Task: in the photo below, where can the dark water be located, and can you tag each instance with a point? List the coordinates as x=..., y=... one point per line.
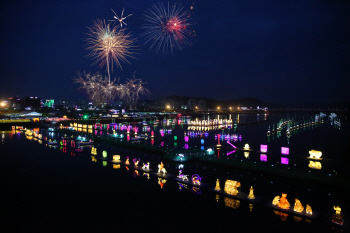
x=47, y=189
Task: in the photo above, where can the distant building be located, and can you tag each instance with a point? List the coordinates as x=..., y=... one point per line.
x=49, y=103
x=201, y=104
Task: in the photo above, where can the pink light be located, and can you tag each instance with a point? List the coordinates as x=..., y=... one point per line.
x=231, y=144
x=186, y=139
x=285, y=150
x=263, y=148
x=218, y=139
x=186, y=146
x=284, y=160
x=263, y=158
x=162, y=144
x=231, y=152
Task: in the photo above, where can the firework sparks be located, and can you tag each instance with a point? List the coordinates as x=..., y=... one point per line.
x=132, y=90
x=108, y=44
x=166, y=28
x=121, y=19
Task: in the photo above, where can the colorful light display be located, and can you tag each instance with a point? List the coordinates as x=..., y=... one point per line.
x=298, y=207
x=116, y=158
x=284, y=160
x=217, y=186
x=182, y=176
x=284, y=150
x=231, y=187
x=263, y=158
x=104, y=154
x=161, y=168
x=263, y=148
x=283, y=203
x=251, y=193
x=314, y=154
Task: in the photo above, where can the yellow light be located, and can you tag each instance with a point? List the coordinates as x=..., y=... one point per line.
x=2, y=104
x=218, y=108
x=168, y=106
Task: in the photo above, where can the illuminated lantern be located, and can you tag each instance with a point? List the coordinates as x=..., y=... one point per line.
x=175, y=138
x=116, y=158
x=186, y=138
x=231, y=187
x=218, y=145
x=217, y=186
x=246, y=147
x=202, y=141
x=337, y=217
x=152, y=133
x=298, y=207
x=104, y=163
x=283, y=203
x=263, y=148
x=127, y=160
x=284, y=150
x=276, y=200
x=263, y=158
x=308, y=209
x=104, y=154
x=161, y=168
x=186, y=146
x=161, y=182
x=314, y=154
x=251, y=193
x=145, y=166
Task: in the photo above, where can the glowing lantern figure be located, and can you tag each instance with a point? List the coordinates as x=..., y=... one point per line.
x=337, y=217
x=283, y=203
x=285, y=150
x=218, y=141
x=314, y=154
x=308, y=209
x=127, y=160
x=231, y=187
x=175, y=138
x=104, y=154
x=298, y=207
x=196, y=179
x=186, y=138
x=263, y=148
x=161, y=168
x=152, y=134
x=251, y=193
x=136, y=161
x=202, y=141
x=217, y=186
x=161, y=182
x=116, y=158
x=246, y=147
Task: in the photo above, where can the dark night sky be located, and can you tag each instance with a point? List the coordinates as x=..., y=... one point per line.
x=281, y=51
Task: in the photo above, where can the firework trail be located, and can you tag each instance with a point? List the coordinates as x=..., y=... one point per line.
x=166, y=28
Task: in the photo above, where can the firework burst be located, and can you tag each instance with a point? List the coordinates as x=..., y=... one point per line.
x=166, y=28
x=109, y=44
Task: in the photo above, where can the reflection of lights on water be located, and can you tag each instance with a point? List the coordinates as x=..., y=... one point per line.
x=263, y=158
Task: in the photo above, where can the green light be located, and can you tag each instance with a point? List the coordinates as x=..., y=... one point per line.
x=175, y=138
x=86, y=116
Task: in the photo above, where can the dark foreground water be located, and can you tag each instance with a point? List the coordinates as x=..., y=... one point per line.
x=50, y=190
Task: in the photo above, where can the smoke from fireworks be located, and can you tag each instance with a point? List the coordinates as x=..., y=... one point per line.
x=166, y=28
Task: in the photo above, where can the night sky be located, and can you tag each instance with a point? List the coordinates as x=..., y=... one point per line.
x=280, y=51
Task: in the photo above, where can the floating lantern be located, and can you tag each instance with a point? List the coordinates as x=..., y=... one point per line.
x=104, y=154
x=116, y=158
x=127, y=160
x=146, y=166
x=161, y=168
x=298, y=207
x=217, y=186
x=136, y=161
x=337, y=217
x=202, y=141
x=196, y=179
x=308, y=209
x=231, y=187
x=283, y=203
x=314, y=154
x=246, y=147
x=104, y=163
x=175, y=138
x=186, y=138
x=251, y=193
x=284, y=150
x=152, y=134
x=263, y=148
